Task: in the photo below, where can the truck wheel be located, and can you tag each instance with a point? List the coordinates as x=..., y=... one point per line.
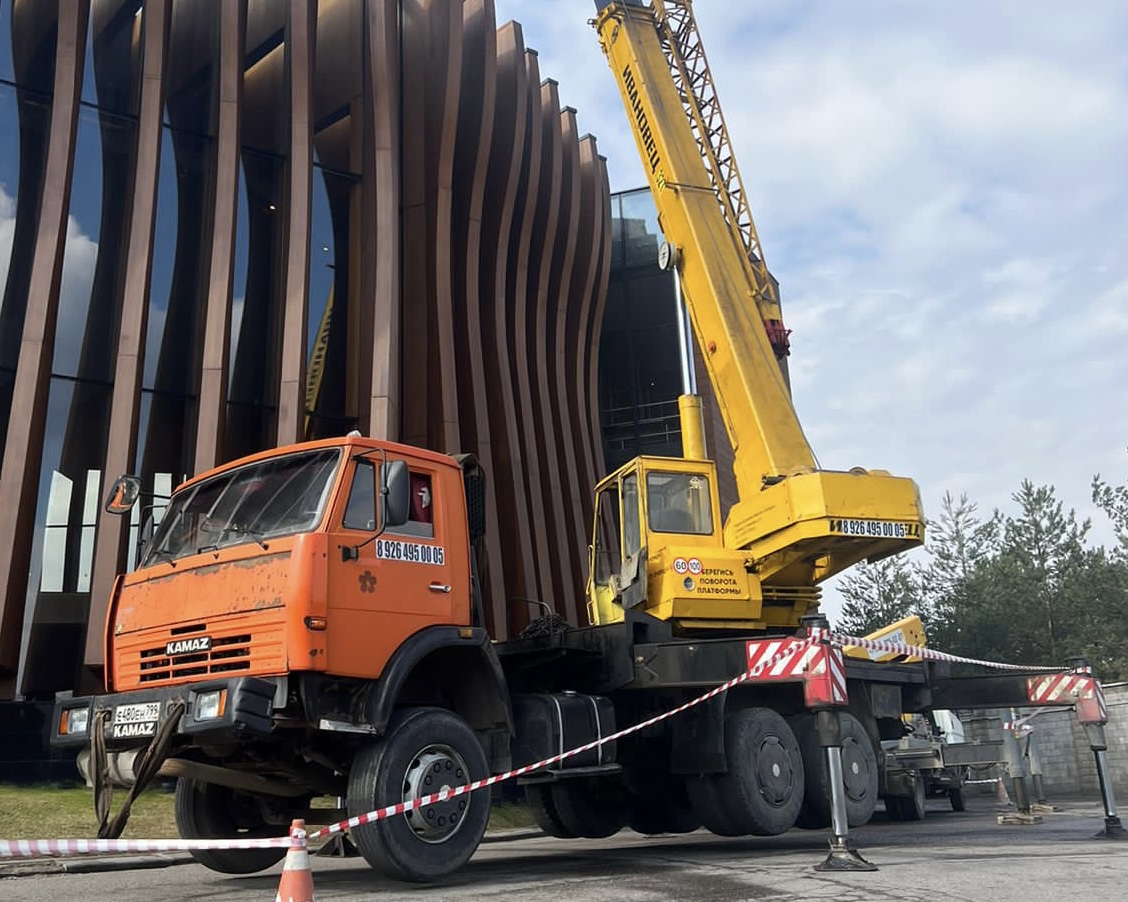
x=762, y=791
x=956, y=798
x=859, y=772
x=424, y=751
x=910, y=808
x=588, y=807
x=538, y=796
x=704, y=798
x=667, y=811
x=209, y=811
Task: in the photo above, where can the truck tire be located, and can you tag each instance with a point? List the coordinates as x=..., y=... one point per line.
x=665, y=811
x=913, y=807
x=704, y=798
x=859, y=772
x=762, y=791
x=538, y=797
x=907, y=808
x=588, y=807
x=423, y=751
x=209, y=811
x=956, y=798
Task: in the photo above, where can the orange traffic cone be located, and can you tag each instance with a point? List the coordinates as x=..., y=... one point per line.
x=296, y=884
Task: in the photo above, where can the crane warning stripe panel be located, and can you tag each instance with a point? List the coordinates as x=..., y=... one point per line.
x=819, y=667
x=1078, y=689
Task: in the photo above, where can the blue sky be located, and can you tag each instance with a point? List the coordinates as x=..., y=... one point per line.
x=942, y=191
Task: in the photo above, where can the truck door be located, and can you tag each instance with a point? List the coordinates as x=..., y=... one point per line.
x=401, y=579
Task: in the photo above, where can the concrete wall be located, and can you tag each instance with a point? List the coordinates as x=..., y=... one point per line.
x=1060, y=743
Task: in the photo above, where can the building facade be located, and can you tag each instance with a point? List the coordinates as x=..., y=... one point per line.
x=227, y=225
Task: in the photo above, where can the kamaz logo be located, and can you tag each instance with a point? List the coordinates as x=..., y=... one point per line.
x=188, y=646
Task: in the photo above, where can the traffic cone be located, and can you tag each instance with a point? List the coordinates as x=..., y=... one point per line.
x=1002, y=797
x=296, y=884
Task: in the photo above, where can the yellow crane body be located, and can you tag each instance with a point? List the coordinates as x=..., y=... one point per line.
x=794, y=524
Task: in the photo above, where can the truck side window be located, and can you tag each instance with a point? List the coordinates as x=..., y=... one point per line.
x=421, y=520
x=361, y=506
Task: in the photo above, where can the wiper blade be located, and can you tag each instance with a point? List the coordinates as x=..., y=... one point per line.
x=242, y=530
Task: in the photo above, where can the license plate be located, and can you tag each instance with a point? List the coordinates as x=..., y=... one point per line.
x=875, y=529
x=143, y=712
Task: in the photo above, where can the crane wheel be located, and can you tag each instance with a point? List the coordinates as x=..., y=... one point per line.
x=589, y=807
x=667, y=811
x=859, y=773
x=705, y=800
x=538, y=798
x=762, y=791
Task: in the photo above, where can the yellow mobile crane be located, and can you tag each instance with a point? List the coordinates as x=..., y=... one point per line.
x=658, y=545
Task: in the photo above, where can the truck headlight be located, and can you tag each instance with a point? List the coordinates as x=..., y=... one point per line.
x=210, y=705
x=74, y=721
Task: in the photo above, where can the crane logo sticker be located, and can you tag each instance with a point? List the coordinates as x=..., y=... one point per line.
x=410, y=552
x=645, y=135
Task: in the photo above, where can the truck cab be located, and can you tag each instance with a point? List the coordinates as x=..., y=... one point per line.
x=304, y=622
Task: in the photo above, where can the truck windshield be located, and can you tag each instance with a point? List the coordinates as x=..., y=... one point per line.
x=271, y=498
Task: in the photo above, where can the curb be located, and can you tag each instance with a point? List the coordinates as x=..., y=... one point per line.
x=510, y=835
x=92, y=865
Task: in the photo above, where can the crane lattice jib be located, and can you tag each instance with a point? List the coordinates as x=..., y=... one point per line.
x=685, y=53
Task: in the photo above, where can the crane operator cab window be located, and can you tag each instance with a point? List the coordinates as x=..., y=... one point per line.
x=679, y=503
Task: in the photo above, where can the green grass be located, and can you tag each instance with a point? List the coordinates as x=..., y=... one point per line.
x=52, y=812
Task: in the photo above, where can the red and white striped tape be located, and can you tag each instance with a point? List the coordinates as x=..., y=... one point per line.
x=40, y=848
x=900, y=648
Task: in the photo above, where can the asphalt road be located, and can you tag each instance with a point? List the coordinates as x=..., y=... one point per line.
x=948, y=856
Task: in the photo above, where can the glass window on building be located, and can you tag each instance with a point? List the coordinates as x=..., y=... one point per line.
x=639, y=361
x=7, y=74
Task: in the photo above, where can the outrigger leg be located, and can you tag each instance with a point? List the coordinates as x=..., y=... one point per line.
x=842, y=856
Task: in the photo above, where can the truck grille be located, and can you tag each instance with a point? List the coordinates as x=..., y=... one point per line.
x=239, y=644
x=226, y=654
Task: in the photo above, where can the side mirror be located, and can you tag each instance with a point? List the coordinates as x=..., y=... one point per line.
x=395, y=493
x=123, y=495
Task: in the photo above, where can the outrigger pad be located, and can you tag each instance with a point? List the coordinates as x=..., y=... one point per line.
x=844, y=858
x=1113, y=830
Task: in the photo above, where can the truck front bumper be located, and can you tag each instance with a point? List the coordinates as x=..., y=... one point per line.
x=219, y=709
